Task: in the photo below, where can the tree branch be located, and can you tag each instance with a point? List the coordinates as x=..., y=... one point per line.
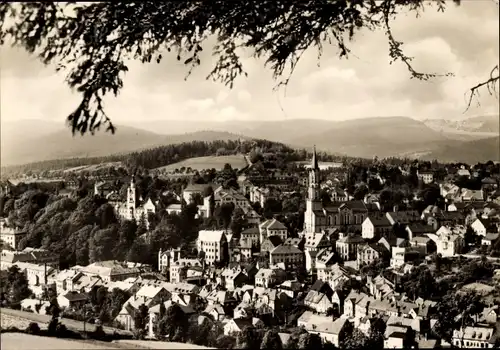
x=490, y=85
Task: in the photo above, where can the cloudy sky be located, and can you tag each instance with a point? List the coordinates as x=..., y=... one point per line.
x=463, y=40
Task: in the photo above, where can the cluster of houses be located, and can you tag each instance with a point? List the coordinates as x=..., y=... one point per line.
x=254, y=278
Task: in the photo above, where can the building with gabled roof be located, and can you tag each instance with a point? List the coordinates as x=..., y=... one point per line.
x=214, y=245
x=317, y=301
x=111, y=270
x=332, y=332
x=272, y=227
x=474, y=337
x=291, y=256
x=375, y=226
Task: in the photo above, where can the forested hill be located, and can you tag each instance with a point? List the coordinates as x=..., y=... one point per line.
x=162, y=156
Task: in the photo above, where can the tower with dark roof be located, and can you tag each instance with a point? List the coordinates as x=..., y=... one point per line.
x=313, y=202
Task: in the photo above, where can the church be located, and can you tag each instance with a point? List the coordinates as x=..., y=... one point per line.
x=133, y=209
x=319, y=218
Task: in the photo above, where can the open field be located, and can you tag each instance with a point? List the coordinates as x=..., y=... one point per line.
x=15, y=341
x=202, y=163
x=159, y=344
x=7, y=321
x=45, y=319
x=93, y=167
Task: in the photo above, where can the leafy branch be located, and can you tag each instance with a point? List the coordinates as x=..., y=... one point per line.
x=93, y=42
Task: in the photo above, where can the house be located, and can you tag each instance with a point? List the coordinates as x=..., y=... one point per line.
x=291, y=256
x=423, y=244
x=11, y=236
x=490, y=239
x=396, y=339
x=110, y=270
x=149, y=295
x=252, y=234
x=347, y=246
x=214, y=245
x=291, y=288
x=380, y=287
x=232, y=278
x=322, y=287
x=402, y=256
x=243, y=310
x=483, y=226
x=269, y=277
x=334, y=275
x=392, y=241
x=317, y=301
x=72, y=300
x=251, y=215
x=447, y=243
x=235, y=326
x=490, y=315
x=154, y=312
x=226, y=196
x=28, y=255
x=463, y=172
x=216, y=311
x=193, y=190
x=126, y=317
x=270, y=228
x=474, y=337
x=426, y=177
x=269, y=244
x=246, y=247
x=369, y=253
x=415, y=229
x=295, y=241
x=36, y=274
x=375, y=226
x=332, y=332
x=314, y=242
x=402, y=217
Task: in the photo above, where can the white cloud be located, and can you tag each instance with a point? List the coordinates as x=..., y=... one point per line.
x=463, y=40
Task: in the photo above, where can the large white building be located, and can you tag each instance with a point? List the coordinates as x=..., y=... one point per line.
x=272, y=227
x=214, y=245
x=10, y=236
x=133, y=209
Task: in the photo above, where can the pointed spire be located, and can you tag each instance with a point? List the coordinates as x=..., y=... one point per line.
x=314, y=162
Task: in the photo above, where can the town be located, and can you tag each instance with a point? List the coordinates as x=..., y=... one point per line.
x=278, y=254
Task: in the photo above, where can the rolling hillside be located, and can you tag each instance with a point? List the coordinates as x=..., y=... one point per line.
x=480, y=126
x=202, y=163
x=382, y=137
x=62, y=144
x=470, y=152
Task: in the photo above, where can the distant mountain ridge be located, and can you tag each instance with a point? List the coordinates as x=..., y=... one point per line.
x=480, y=124
x=470, y=152
x=62, y=144
x=33, y=141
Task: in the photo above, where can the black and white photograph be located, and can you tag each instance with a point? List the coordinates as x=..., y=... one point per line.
x=267, y=174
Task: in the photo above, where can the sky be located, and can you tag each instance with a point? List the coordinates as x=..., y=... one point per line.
x=463, y=40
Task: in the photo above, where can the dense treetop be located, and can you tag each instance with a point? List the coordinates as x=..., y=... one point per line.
x=94, y=42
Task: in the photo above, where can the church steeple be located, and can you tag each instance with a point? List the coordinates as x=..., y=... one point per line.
x=314, y=162
x=313, y=192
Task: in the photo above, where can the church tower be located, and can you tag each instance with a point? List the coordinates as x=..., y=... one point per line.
x=313, y=189
x=313, y=201
x=131, y=199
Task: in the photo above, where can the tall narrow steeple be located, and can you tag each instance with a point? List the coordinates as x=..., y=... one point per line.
x=314, y=178
x=314, y=162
